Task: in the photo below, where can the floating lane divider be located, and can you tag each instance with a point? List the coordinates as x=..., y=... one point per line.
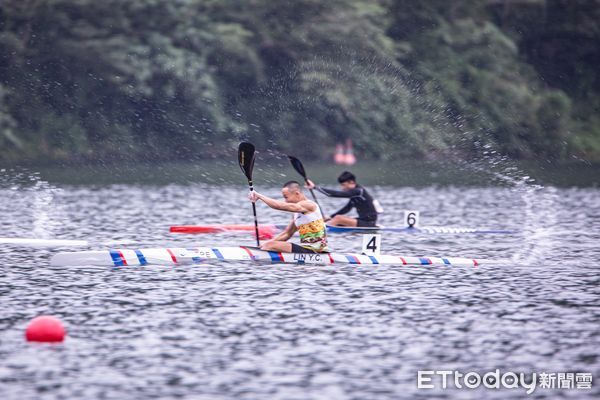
x=182, y=256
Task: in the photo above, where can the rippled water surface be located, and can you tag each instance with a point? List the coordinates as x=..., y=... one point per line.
x=236, y=330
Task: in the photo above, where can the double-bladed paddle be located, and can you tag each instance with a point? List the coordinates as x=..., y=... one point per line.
x=297, y=164
x=246, y=155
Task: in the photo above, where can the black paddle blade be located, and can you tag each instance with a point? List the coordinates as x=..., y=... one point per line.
x=246, y=158
x=297, y=164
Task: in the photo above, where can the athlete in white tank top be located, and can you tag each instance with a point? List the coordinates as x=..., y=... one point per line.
x=307, y=220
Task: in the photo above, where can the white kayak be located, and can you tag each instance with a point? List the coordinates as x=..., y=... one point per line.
x=33, y=242
x=177, y=256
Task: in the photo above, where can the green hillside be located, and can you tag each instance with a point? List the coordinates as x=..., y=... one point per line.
x=185, y=79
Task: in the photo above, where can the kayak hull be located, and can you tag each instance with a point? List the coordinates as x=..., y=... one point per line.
x=217, y=228
x=200, y=255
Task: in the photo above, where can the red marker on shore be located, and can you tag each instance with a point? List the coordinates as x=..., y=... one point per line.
x=349, y=157
x=45, y=329
x=339, y=157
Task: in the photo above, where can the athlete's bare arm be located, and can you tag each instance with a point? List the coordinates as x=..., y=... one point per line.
x=300, y=207
x=287, y=233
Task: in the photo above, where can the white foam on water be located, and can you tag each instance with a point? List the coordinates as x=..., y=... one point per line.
x=36, y=198
x=538, y=221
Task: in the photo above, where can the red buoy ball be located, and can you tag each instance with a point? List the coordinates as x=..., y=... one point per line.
x=45, y=329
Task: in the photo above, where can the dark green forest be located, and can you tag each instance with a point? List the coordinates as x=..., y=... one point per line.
x=149, y=80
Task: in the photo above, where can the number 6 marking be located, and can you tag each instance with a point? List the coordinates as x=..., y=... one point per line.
x=411, y=218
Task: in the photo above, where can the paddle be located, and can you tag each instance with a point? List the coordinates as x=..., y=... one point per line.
x=246, y=155
x=297, y=164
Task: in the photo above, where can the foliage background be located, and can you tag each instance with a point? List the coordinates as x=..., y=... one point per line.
x=187, y=79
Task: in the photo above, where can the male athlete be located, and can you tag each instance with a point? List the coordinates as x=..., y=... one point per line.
x=359, y=199
x=307, y=220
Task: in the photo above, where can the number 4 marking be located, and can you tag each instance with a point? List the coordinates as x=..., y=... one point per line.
x=371, y=244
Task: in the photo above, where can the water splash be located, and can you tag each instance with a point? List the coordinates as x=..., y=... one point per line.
x=538, y=205
x=34, y=196
x=44, y=220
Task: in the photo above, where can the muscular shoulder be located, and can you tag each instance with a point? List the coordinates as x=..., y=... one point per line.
x=308, y=205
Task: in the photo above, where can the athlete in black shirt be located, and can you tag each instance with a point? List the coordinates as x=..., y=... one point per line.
x=359, y=199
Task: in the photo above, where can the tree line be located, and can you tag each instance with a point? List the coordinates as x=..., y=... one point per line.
x=187, y=79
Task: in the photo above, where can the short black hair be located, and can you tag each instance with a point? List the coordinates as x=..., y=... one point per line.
x=292, y=185
x=346, y=176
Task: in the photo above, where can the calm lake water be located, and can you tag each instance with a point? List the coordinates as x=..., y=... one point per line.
x=241, y=331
